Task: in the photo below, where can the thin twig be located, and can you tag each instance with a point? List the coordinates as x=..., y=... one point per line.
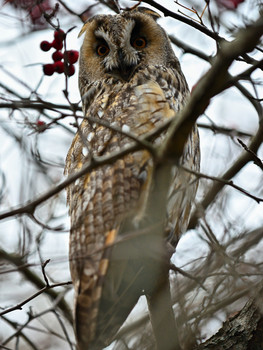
x=225, y=182
x=19, y=306
x=43, y=265
x=188, y=275
x=254, y=157
x=33, y=278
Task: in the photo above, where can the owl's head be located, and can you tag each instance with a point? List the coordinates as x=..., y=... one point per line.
x=119, y=45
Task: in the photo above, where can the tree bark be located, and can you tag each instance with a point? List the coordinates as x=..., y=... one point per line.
x=244, y=331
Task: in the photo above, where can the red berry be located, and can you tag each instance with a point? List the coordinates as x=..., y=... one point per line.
x=72, y=56
x=45, y=45
x=230, y=4
x=59, y=67
x=57, y=56
x=57, y=44
x=48, y=69
x=40, y=126
x=70, y=70
x=59, y=35
x=40, y=123
x=36, y=10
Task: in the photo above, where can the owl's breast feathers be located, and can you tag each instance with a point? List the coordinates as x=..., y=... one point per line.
x=107, y=203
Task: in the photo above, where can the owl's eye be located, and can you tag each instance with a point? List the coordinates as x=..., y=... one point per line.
x=139, y=43
x=102, y=50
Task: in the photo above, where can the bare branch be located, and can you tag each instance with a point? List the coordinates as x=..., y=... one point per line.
x=41, y=291
x=34, y=279
x=254, y=157
x=224, y=182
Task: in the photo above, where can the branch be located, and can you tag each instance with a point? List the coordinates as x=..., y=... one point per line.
x=29, y=104
x=224, y=182
x=243, y=331
x=211, y=84
x=189, y=49
x=162, y=318
x=41, y=291
x=203, y=272
x=34, y=279
x=243, y=159
x=254, y=157
x=15, y=326
x=95, y=162
x=31, y=317
x=184, y=19
x=217, y=129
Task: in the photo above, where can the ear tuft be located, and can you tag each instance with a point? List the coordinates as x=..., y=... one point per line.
x=149, y=12
x=83, y=29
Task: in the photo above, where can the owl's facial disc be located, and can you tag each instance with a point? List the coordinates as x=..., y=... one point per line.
x=120, y=57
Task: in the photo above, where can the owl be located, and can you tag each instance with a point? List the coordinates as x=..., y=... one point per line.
x=131, y=84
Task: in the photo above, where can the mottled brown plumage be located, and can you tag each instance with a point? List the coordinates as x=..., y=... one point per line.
x=129, y=78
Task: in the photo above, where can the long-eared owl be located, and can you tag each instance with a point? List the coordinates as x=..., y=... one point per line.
x=131, y=84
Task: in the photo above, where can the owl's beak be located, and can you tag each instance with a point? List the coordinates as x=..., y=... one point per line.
x=124, y=71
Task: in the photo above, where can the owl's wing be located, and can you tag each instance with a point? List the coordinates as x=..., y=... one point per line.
x=183, y=190
x=109, y=257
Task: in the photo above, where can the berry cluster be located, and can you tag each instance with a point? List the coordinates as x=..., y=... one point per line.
x=59, y=66
x=230, y=4
x=35, y=10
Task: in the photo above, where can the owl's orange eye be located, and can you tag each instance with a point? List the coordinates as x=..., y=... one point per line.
x=139, y=43
x=102, y=50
